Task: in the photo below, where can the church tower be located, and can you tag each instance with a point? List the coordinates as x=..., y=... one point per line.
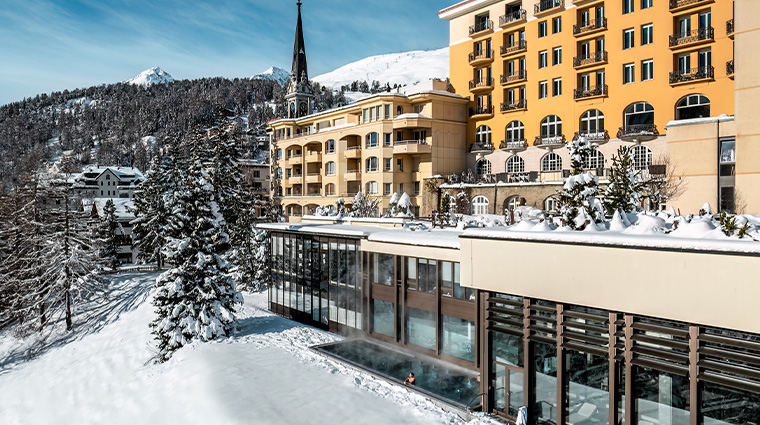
x=300, y=97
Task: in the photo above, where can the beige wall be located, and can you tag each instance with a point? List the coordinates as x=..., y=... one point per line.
x=703, y=288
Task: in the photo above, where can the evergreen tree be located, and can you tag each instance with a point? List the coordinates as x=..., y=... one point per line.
x=195, y=299
x=364, y=206
x=623, y=191
x=251, y=252
x=225, y=140
x=577, y=203
x=107, y=232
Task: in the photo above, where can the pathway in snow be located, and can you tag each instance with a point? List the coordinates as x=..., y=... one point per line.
x=264, y=374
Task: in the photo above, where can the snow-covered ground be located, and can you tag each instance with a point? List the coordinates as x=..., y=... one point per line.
x=264, y=374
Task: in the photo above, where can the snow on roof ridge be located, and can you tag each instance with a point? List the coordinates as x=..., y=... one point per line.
x=703, y=120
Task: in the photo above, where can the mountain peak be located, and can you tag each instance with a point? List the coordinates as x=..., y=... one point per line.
x=274, y=73
x=150, y=77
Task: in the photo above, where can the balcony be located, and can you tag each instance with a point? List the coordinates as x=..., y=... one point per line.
x=353, y=152
x=690, y=38
x=545, y=6
x=314, y=178
x=678, y=5
x=513, y=146
x=730, y=69
x=481, y=85
x=513, y=17
x=351, y=175
x=412, y=121
x=294, y=159
x=411, y=147
x=480, y=58
x=730, y=28
x=638, y=133
x=596, y=58
x=481, y=148
x=589, y=27
x=704, y=73
x=511, y=49
x=481, y=112
x=550, y=143
x=481, y=27
x=520, y=105
x=314, y=157
x=515, y=77
x=597, y=137
x=590, y=92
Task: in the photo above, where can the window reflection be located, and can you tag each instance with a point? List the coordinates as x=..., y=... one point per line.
x=586, y=388
x=458, y=338
x=421, y=328
x=383, y=317
x=545, y=378
x=660, y=398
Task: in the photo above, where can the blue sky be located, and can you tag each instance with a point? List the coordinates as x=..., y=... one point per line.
x=51, y=45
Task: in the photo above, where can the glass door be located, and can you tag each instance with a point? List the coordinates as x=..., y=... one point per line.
x=684, y=64
x=684, y=27
x=584, y=18
x=508, y=389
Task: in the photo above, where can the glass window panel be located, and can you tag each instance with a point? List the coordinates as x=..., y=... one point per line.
x=411, y=273
x=722, y=405
x=383, y=317
x=586, y=388
x=458, y=338
x=516, y=392
x=499, y=384
x=382, y=269
x=545, y=378
x=507, y=348
x=660, y=398
x=446, y=270
x=421, y=328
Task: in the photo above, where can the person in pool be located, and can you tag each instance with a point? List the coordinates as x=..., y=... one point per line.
x=409, y=379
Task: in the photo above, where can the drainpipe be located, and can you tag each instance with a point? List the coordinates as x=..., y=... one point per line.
x=495, y=196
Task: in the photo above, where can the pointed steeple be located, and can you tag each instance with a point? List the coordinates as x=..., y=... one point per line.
x=299, y=95
x=299, y=70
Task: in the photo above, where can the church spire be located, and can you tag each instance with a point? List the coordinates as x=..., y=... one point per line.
x=299, y=70
x=300, y=96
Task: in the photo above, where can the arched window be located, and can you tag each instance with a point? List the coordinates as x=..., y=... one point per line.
x=330, y=189
x=551, y=162
x=371, y=164
x=593, y=161
x=330, y=168
x=642, y=157
x=483, y=167
x=640, y=113
x=372, y=140
x=479, y=205
x=693, y=106
x=551, y=127
x=515, y=132
x=513, y=202
x=551, y=204
x=592, y=124
x=483, y=135
x=371, y=188
x=330, y=146
x=515, y=164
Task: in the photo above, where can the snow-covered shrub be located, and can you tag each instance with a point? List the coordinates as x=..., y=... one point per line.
x=578, y=204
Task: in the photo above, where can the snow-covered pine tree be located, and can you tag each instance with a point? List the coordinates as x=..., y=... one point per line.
x=577, y=200
x=392, y=205
x=251, y=253
x=624, y=189
x=195, y=299
x=108, y=230
x=405, y=206
x=364, y=206
x=226, y=175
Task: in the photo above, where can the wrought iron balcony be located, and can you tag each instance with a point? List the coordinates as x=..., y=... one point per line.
x=483, y=56
x=518, y=75
x=509, y=49
x=481, y=84
x=678, y=4
x=481, y=110
x=589, y=26
x=597, y=136
x=481, y=26
x=592, y=91
x=481, y=147
x=550, y=141
x=730, y=68
x=638, y=133
x=694, y=74
x=592, y=59
x=730, y=27
x=546, y=5
x=693, y=36
x=513, y=145
x=517, y=15
x=514, y=106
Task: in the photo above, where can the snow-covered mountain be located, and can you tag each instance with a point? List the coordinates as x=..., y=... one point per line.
x=396, y=68
x=150, y=77
x=274, y=73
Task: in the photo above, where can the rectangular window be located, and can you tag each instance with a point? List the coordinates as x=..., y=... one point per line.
x=371, y=140
x=542, y=31
x=660, y=397
x=372, y=116
x=383, y=318
x=458, y=338
x=684, y=64
x=556, y=56
x=543, y=89
x=400, y=164
x=556, y=25
x=647, y=70
x=627, y=6
x=421, y=328
x=387, y=165
x=647, y=34
x=416, y=188
x=646, y=4
x=386, y=189
x=387, y=137
x=366, y=115
x=543, y=59
x=628, y=36
x=387, y=112
x=557, y=87
x=628, y=73
x=371, y=164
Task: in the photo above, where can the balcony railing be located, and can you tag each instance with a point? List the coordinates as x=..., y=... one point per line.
x=513, y=106
x=409, y=142
x=513, y=144
x=353, y=148
x=518, y=75
x=597, y=136
x=481, y=26
x=476, y=56
x=514, y=48
x=592, y=91
x=638, y=132
x=596, y=57
x=693, y=36
x=481, y=84
x=589, y=26
x=481, y=147
x=517, y=15
x=545, y=5
x=694, y=74
x=550, y=141
x=481, y=110
x=675, y=4
x=730, y=27
x=730, y=68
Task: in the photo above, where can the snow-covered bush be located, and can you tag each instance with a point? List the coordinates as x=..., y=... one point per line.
x=578, y=204
x=364, y=206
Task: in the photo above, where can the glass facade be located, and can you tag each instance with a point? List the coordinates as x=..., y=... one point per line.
x=458, y=338
x=545, y=382
x=383, y=318
x=659, y=397
x=421, y=328
x=586, y=388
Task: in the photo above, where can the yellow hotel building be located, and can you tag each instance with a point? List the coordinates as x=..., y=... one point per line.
x=657, y=75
